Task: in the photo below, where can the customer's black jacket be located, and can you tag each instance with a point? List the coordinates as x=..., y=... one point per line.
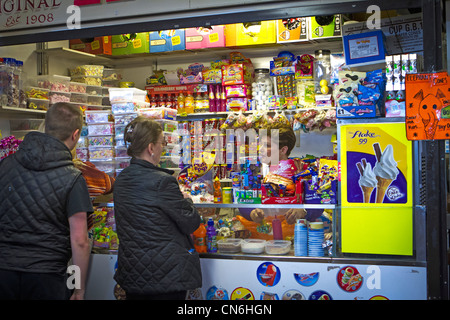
x=154, y=223
x=34, y=186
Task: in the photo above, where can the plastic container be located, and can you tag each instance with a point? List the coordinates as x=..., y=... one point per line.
x=229, y=245
x=111, y=75
x=82, y=153
x=87, y=70
x=37, y=93
x=94, y=100
x=121, y=152
x=262, y=88
x=124, y=118
x=54, y=83
x=158, y=113
x=107, y=166
x=102, y=129
x=253, y=246
x=278, y=247
x=101, y=153
x=322, y=70
x=37, y=104
x=82, y=143
x=26, y=124
x=171, y=137
x=168, y=125
x=94, y=90
x=78, y=97
x=101, y=141
x=98, y=116
x=128, y=106
x=77, y=87
x=89, y=80
x=126, y=94
x=200, y=239
x=211, y=236
x=58, y=96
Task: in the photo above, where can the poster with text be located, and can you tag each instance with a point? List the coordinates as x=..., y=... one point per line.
x=428, y=109
x=376, y=162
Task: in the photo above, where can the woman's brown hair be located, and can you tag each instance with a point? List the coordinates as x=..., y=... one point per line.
x=139, y=133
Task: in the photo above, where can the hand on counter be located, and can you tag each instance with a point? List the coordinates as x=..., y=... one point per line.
x=291, y=216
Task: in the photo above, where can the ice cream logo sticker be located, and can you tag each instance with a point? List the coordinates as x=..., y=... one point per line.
x=349, y=279
x=381, y=177
x=268, y=274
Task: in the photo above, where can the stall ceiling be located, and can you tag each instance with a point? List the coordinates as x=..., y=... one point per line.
x=129, y=16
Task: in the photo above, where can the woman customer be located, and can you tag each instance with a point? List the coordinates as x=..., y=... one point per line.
x=156, y=258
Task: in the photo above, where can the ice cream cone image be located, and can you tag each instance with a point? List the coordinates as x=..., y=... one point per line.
x=368, y=181
x=382, y=186
x=367, y=192
x=385, y=170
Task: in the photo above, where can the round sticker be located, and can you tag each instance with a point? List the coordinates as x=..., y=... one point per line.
x=268, y=296
x=293, y=295
x=349, y=279
x=268, y=274
x=242, y=294
x=320, y=295
x=307, y=279
x=216, y=293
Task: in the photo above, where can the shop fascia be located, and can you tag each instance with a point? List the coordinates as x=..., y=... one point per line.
x=18, y=6
x=235, y=140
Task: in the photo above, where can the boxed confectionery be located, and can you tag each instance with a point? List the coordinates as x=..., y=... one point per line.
x=133, y=43
x=251, y=33
x=205, y=37
x=292, y=30
x=167, y=40
x=100, y=45
x=321, y=27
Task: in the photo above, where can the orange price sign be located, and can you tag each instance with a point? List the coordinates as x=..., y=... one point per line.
x=427, y=106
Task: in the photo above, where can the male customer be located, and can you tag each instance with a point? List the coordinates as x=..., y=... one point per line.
x=44, y=201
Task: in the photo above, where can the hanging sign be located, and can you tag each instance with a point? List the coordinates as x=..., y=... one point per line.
x=428, y=106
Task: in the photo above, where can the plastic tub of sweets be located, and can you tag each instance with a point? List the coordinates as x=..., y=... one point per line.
x=89, y=80
x=278, y=247
x=101, y=153
x=77, y=87
x=59, y=96
x=98, y=116
x=37, y=93
x=87, y=70
x=253, y=245
x=126, y=94
x=103, y=141
x=229, y=245
x=54, y=82
x=78, y=97
x=94, y=100
x=37, y=104
x=168, y=125
x=101, y=129
x=124, y=118
x=128, y=106
x=159, y=113
x=26, y=124
x=169, y=162
x=94, y=90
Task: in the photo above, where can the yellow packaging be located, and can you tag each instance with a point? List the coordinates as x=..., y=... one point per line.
x=227, y=195
x=258, y=33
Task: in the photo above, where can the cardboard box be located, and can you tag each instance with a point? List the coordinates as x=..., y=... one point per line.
x=121, y=45
x=251, y=34
x=100, y=45
x=327, y=196
x=322, y=27
x=199, y=38
x=167, y=40
x=292, y=30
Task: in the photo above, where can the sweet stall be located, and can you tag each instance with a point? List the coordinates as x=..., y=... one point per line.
x=356, y=210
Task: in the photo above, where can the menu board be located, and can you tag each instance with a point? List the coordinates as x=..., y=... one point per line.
x=428, y=106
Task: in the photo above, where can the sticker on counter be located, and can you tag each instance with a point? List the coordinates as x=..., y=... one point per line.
x=217, y=293
x=320, y=295
x=268, y=296
x=306, y=279
x=242, y=294
x=293, y=295
x=378, y=297
x=349, y=279
x=268, y=274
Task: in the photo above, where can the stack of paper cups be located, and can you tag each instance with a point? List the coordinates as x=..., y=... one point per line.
x=301, y=238
x=315, y=239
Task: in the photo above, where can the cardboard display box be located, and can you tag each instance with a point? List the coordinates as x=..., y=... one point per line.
x=199, y=38
x=126, y=44
x=100, y=45
x=322, y=27
x=167, y=40
x=240, y=34
x=292, y=30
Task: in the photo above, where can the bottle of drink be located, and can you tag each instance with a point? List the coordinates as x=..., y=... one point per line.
x=211, y=236
x=212, y=99
x=180, y=102
x=205, y=102
x=276, y=228
x=153, y=101
x=169, y=101
x=223, y=100
x=217, y=191
x=189, y=103
x=162, y=101
x=198, y=103
x=200, y=239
